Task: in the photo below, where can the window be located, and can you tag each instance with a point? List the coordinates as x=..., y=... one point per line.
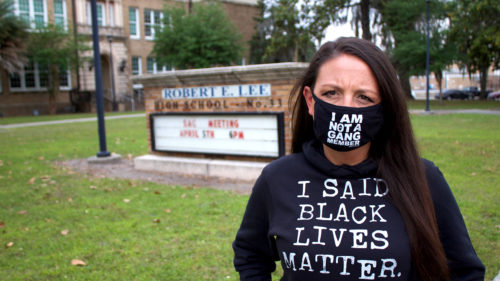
x=101, y=15
x=89, y=13
x=136, y=66
x=168, y=67
x=24, y=10
x=39, y=13
x=29, y=75
x=152, y=23
x=154, y=67
x=34, y=12
x=111, y=14
x=64, y=78
x=60, y=15
x=15, y=81
x=35, y=76
x=133, y=21
x=151, y=65
x=43, y=73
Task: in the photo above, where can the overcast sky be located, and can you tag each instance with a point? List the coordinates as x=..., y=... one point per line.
x=335, y=31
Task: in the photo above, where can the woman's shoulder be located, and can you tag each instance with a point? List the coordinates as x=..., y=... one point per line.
x=285, y=163
x=432, y=172
x=436, y=181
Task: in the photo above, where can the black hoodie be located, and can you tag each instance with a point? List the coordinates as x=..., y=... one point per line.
x=327, y=222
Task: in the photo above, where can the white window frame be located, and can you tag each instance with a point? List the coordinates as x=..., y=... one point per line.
x=68, y=76
x=103, y=13
x=148, y=59
x=31, y=12
x=111, y=14
x=136, y=23
x=37, y=88
x=164, y=68
x=89, y=13
x=139, y=64
x=153, y=25
x=64, y=15
x=157, y=68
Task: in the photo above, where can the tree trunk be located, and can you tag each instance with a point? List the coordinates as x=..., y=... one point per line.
x=365, y=19
x=4, y=77
x=296, y=52
x=52, y=104
x=404, y=79
x=53, y=89
x=189, y=7
x=439, y=79
x=483, y=80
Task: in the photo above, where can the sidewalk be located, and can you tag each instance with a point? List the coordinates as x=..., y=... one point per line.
x=451, y=111
x=89, y=119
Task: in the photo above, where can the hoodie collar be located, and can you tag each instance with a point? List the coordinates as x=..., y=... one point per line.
x=313, y=152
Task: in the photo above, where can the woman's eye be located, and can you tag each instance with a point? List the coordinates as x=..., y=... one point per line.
x=366, y=98
x=329, y=93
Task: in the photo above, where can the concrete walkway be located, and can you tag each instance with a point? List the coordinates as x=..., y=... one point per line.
x=77, y=120
x=452, y=111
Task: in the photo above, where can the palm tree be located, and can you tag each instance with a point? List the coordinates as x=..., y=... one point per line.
x=13, y=35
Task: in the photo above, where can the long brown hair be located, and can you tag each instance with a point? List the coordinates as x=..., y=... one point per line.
x=394, y=148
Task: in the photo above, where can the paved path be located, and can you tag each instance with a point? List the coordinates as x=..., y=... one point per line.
x=124, y=169
x=78, y=120
x=450, y=111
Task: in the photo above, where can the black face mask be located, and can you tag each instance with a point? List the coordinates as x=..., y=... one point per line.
x=346, y=128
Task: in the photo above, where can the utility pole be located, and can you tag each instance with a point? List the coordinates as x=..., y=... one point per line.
x=427, y=58
x=98, y=83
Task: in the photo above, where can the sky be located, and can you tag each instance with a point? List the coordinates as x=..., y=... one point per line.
x=335, y=31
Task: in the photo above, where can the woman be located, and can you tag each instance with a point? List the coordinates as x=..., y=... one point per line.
x=354, y=201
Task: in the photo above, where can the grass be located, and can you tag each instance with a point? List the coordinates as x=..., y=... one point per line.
x=467, y=150
x=41, y=118
x=164, y=232
x=134, y=230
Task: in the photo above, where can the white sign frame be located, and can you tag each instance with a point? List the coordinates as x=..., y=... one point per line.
x=255, y=134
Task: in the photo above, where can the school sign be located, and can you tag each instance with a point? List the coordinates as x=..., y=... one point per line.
x=225, y=113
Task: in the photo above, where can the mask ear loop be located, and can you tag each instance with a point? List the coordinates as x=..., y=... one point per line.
x=315, y=97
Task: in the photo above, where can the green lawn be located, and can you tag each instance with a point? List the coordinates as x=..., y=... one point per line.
x=467, y=150
x=132, y=230
x=41, y=118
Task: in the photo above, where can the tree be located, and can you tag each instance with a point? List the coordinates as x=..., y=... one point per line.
x=13, y=35
x=442, y=54
x=54, y=49
x=287, y=38
x=474, y=29
x=286, y=33
x=403, y=25
x=259, y=42
x=364, y=14
x=203, y=38
x=399, y=20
